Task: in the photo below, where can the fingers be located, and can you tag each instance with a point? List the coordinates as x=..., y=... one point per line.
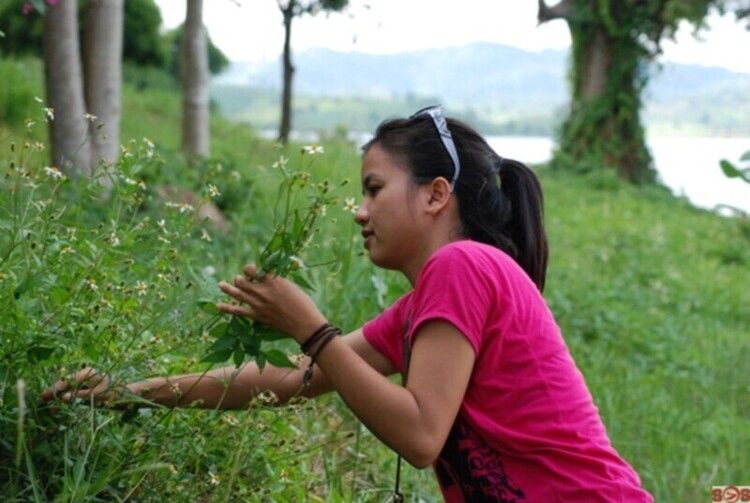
x=240, y=294
x=236, y=310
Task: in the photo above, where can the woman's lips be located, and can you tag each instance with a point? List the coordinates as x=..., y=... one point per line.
x=367, y=235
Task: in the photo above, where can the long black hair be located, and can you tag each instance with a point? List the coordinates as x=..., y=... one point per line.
x=500, y=200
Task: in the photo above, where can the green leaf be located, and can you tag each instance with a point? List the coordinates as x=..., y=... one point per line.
x=268, y=334
x=218, y=357
x=40, y=353
x=729, y=170
x=225, y=342
x=219, y=330
x=299, y=226
x=260, y=359
x=278, y=359
x=239, y=357
x=301, y=281
x=208, y=307
x=745, y=156
x=59, y=295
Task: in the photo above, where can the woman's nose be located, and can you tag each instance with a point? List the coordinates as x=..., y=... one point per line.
x=361, y=215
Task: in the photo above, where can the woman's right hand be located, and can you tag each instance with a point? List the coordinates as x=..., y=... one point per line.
x=86, y=383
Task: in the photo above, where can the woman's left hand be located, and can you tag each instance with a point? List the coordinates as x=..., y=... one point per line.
x=273, y=301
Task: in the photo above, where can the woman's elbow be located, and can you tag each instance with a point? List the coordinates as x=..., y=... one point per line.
x=424, y=455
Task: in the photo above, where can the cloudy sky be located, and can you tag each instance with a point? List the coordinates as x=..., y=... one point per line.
x=251, y=30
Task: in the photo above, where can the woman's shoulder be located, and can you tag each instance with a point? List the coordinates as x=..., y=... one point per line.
x=471, y=250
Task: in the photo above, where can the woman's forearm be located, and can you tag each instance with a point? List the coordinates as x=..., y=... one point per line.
x=228, y=387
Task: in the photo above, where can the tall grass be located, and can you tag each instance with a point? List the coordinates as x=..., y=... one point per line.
x=651, y=295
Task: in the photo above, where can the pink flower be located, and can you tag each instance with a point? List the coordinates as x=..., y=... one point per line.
x=52, y=2
x=27, y=8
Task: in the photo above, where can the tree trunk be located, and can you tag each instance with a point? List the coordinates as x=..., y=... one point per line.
x=64, y=87
x=103, y=75
x=195, y=100
x=603, y=128
x=286, y=96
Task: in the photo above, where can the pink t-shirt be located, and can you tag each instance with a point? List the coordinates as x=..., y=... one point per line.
x=527, y=429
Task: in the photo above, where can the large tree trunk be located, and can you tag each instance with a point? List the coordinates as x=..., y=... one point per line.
x=64, y=87
x=103, y=75
x=288, y=73
x=195, y=100
x=603, y=128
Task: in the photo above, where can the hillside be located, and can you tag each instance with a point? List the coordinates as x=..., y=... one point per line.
x=508, y=89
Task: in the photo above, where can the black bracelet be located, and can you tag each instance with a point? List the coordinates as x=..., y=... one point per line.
x=328, y=336
x=314, y=338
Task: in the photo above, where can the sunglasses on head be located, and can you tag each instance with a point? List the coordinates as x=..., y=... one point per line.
x=436, y=114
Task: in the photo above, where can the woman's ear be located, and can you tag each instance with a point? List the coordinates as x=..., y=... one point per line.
x=437, y=194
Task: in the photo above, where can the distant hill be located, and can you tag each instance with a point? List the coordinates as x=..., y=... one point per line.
x=505, y=88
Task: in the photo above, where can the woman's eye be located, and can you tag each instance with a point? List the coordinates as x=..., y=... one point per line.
x=372, y=189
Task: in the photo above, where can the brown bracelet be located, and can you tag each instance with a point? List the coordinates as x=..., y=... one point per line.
x=314, y=338
x=327, y=336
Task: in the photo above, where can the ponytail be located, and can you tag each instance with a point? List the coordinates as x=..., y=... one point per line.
x=525, y=227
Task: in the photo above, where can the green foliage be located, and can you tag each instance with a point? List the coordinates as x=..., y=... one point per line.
x=142, y=42
x=732, y=171
x=217, y=61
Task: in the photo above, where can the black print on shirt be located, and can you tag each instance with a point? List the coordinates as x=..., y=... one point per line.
x=468, y=462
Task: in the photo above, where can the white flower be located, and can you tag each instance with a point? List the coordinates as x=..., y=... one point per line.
x=148, y=143
x=205, y=235
x=141, y=287
x=67, y=250
x=208, y=271
x=297, y=262
x=90, y=117
x=280, y=163
x=114, y=239
x=213, y=190
x=54, y=172
x=50, y=112
x=313, y=149
x=91, y=283
x=230, y=420
x=349, y=205
x=214, y=479
x=161, y=223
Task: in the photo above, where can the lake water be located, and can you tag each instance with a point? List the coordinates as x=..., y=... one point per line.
x=688, y=166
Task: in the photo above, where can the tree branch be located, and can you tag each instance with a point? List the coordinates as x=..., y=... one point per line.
x=562, y=10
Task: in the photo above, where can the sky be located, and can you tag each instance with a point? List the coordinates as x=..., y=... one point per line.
x=251, y=30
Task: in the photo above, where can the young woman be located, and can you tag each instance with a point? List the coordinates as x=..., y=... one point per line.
x=492, y=400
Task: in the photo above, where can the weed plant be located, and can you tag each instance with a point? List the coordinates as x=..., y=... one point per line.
x=651, y=295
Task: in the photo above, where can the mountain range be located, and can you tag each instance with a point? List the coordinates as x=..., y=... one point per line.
x=494, y=84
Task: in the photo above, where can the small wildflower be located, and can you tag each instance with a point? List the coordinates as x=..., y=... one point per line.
x=208, y=271
x=313, y=149
x=172, y=470
x=267, y=398
x=205, y=235
x=90, y=117
x=38, y=99
x=141, y=287
x=214, y=479
x=54, y=172
x=148, y=143
x=91, y=283
x=29, y=124
x=126, y=151
x=205, y=338
x=164, y=240
x=114, y=240
x=50, y=112
x=66, y=250
x=161, y=223
x=213, y=190
x=297, y=359
x=350, y=206
x=38, y=146
x=281, y=163
x=230, y=420
x=297, y=262
x=235, y=175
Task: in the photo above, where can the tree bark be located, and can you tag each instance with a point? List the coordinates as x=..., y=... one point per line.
x=603, y=129
x=64, y=87
x=195, y=100
x=103, y=76
x=288, y=74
